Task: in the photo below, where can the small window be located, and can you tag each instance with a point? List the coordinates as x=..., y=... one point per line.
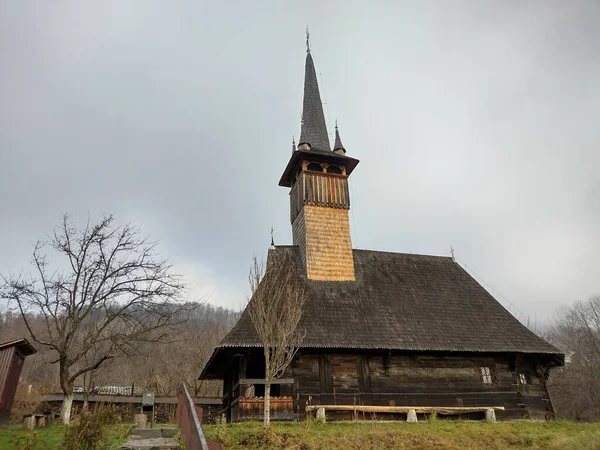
x=487, y=375
x=334, y=169
x=524, y=378
x=314, y=167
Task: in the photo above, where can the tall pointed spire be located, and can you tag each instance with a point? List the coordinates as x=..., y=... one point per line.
x=314, y=130
x=338, y=147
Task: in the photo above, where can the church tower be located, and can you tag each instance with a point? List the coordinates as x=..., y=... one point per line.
x=319, y=196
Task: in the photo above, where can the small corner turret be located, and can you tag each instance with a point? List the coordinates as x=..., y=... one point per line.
x=338, y=147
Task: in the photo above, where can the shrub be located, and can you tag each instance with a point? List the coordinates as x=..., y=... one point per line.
x=29, y=442
x=222, y=430
x=27, y=400
x=91, y=429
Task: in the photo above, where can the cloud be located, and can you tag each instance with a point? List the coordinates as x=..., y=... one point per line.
x=475, y=124
x=203, y=285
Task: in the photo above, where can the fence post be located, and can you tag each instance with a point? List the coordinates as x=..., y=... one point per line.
x=188, y=421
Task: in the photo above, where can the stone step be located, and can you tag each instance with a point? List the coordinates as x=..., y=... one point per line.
x=151, y=444
x=152, y=433
x=168, y=432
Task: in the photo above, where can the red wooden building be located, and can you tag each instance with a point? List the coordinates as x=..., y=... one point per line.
x=12, y=357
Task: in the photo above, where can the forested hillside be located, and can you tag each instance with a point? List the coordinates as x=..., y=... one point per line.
x=158, y=367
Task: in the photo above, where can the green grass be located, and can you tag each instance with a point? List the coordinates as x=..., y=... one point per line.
x=117, y=436
x=15, y=437
x=439, y=434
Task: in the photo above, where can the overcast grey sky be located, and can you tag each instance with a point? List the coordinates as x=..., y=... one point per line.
x=476, y=123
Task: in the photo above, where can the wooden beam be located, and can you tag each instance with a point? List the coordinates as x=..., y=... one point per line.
x=262, y=381
x=129, y=399
x=443, y=410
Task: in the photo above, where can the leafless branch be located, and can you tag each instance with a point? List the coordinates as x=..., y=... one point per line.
x=575, y=388
x=276, y=307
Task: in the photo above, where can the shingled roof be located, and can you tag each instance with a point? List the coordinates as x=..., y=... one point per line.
x=401, y=301
x=314, y=129
x=338, y=141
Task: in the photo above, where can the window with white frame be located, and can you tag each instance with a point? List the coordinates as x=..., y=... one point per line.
x=524, y=378
x=487, y=376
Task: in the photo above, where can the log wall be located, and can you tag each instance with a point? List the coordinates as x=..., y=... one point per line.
x=421, y=380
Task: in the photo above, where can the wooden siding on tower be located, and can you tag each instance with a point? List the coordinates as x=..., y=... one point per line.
x=323, y=237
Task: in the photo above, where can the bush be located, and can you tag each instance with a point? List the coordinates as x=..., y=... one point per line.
x=91, y=429
x=222, y=430
x=28, y=442
x=27, y=401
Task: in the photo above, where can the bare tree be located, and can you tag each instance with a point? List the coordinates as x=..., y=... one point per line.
x=575, y=388
x=277, y=304
x=111, y=292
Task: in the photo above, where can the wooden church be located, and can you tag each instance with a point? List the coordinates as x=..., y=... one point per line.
x=383, y=329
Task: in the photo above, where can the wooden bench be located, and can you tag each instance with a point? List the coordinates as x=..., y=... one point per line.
x=30, y=421
x=411, y=411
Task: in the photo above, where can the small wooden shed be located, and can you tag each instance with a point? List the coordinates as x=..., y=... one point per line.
x=12, y=357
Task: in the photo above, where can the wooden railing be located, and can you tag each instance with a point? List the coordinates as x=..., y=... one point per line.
x=247, y=381
x=321, y=189
x=188, y=421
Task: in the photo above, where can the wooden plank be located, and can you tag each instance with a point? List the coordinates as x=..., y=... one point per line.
x=325, y=375
x=104, y=398
x=365, y=381
x=444, y=410
x=262, y=381
x=323, y=190
x=326, y=379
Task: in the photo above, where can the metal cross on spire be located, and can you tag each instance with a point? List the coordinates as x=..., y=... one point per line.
x=307, y=40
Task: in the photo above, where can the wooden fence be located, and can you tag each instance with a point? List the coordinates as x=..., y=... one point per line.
x=189, y=423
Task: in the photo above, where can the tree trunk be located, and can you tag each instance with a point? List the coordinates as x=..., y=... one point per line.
x=87, y=383
x=65, y=412
x=66, y=384
x=267, y=417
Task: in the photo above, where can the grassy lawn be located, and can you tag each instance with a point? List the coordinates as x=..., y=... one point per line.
x=438, y=434
x=16, y=437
